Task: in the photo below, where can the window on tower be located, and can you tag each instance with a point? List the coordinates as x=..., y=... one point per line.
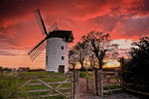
x=62, y=47
x=62, y=57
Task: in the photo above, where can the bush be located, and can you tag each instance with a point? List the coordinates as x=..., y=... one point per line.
x=136, y=70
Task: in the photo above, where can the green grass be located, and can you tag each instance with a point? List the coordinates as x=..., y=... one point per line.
x=111, y=87
x=40, y=74
x=36, y=87
x=88, y=75
x=83, y=74
x=54, y=79
x=56, y=97
x=39, y=93
x=66, y=85
x=11, y=84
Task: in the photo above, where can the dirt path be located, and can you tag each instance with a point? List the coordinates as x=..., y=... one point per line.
x=84, y=93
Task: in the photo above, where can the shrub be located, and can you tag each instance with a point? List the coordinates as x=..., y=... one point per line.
x=136, y=70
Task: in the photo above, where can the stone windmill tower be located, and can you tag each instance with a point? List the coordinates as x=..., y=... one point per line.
x=56, y=47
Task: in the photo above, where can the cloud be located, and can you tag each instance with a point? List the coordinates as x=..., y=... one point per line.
x=121, y=18
x=134, y=26
x=106, y=22
x=73, y=8
x=6, y=53
x=12, y=52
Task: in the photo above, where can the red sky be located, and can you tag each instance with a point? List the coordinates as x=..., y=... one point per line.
x=19, y=31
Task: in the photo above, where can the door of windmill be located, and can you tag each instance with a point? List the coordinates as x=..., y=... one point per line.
x=61, y=68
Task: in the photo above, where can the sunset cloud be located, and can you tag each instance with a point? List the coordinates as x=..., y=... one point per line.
x=123, y=19
x=19, y=28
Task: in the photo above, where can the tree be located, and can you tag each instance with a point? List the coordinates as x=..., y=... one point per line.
x=98, y=43
x=114, y=51
x=78, y=54
x=72, y=58
x=136, y=69
x=1, y=69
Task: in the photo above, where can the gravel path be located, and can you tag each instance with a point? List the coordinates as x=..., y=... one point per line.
x=84, y=94
x=114, y=96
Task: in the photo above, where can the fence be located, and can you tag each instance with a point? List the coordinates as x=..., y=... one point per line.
x=111, y=82
x=108, y=82
x=41, y=88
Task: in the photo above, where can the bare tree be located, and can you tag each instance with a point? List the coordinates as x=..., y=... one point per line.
x=114, y=51
x=72, y=58
x=97, y=43
x=78, y=53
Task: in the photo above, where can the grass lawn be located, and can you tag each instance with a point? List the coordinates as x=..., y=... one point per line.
x=111, y=87
x=89, y=75
x=14, y=83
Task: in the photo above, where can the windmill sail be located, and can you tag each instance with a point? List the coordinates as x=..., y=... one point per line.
x=41, y=22
x=36, y=53
x=37, y=49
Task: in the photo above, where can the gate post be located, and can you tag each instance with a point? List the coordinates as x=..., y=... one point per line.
x=121, y=71
x=76, y=85
x=100, y=76
x=98, y=82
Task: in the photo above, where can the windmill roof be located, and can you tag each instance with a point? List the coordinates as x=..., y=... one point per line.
x=65, y=34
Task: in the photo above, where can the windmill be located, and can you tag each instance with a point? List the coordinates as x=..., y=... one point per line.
x=56, y=47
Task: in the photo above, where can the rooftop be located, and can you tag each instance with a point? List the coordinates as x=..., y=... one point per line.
x=65, y=34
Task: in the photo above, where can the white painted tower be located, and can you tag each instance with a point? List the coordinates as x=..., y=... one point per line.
x=57, y=51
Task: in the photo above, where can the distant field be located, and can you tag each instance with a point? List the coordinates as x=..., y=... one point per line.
x=12, y=83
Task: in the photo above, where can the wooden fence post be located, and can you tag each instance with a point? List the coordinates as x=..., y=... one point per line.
x=75, y=82
x=98, y=82
x=121, y=71
x=87, y=81
x=100, y=76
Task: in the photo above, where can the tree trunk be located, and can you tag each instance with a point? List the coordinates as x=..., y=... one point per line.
x=100, y=64
x=82, y=65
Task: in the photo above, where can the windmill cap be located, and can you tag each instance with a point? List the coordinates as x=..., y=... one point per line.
x=65, y=34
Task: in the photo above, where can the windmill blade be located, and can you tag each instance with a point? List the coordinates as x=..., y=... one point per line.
x=35, y=54
x=41, y=22
x=29, y=53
